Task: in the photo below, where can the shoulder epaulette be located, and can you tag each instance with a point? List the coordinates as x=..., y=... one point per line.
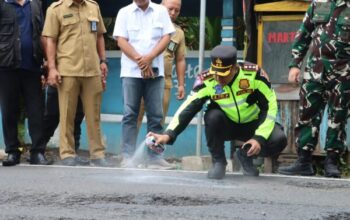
x=246, y=66
x=55, y=4
x=92, y=1
x=200, y=78
x=206, y=75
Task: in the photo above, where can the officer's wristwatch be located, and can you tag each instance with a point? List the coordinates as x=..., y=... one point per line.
x=104, y=61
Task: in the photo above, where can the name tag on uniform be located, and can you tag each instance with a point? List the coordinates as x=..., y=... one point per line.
x=244, y=91
x=68, y=16
x=221, y=96
x=93, y=26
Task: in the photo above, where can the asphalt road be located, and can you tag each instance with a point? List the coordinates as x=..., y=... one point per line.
x=60, y=193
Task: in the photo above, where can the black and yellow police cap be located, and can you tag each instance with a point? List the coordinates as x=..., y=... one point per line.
x=222, y=59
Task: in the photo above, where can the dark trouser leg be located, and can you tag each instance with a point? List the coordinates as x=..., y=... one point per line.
x=34, y=105
x=275, y=143
x=10, y=93
x=79, y=116
x=215, y=121
x=51, y=115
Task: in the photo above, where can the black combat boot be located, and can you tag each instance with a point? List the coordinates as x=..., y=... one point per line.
x=302, y=166
x=217, y=171
x=331, y=165
x=247, y=163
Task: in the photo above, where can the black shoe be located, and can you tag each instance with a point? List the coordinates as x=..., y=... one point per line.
x=247, y=163
x=302, y=166
x=38, y=158
x=297, y=168
x=331, y=165
x=99, y=163
x=12, y=159
x=217, y=171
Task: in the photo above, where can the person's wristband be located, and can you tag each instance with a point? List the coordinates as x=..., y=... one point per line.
x=104, y=61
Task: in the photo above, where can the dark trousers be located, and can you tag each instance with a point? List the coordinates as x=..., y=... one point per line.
x=13, y=85
x=52, y=116
x=219, y=128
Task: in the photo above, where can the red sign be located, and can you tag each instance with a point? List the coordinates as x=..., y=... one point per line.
x=280, y=37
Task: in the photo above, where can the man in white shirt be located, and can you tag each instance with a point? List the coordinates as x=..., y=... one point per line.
x=142, y=30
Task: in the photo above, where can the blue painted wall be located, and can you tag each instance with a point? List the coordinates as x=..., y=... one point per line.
x=112, y=111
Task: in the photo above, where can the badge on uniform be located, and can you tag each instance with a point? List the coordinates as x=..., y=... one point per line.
x=172, y=46
x=219, y=89
x=93, y=26
x=244, y=84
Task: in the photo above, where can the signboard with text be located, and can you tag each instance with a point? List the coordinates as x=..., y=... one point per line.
x=276, y=35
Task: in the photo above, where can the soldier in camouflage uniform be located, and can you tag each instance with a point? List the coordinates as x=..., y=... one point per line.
x=326, y=28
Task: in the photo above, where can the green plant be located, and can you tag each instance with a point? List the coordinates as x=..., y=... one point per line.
x=109, y=41
x=191, y=26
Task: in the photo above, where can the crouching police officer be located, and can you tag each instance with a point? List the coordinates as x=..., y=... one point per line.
x=242, y=107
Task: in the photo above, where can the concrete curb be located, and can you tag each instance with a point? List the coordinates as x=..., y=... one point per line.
x=2, y=154
x=200, y=163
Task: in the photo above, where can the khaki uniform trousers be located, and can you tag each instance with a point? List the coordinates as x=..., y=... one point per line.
x=90, y=91
x=166, y=102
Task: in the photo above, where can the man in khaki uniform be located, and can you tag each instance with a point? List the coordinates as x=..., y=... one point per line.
x=77, y=66
x=176, y=50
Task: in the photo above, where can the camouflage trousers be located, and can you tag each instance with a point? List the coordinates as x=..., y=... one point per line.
x=314, y=96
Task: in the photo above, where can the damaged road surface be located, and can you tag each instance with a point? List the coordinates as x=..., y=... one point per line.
x=72, y=193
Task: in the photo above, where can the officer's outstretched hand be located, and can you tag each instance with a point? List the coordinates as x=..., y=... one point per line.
x=160, y=138
x=254, y=149
x=294, y=75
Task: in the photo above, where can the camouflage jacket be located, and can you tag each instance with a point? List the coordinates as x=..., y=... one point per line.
x=325, y=32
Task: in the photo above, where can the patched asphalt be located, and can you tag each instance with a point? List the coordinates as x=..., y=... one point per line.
x=58, y=192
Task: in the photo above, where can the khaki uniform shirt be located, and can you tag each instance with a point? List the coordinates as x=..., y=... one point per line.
x=75, y=26
x=175, y=49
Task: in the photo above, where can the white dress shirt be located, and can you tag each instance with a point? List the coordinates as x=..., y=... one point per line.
x=143, y=29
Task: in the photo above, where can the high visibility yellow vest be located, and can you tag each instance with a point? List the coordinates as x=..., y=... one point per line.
x=242, y=100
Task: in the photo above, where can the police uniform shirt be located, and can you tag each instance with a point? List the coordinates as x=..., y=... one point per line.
x=176, y=48
x=75, y=26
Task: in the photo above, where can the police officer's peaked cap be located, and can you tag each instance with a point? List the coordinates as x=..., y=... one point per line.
x=222, y=59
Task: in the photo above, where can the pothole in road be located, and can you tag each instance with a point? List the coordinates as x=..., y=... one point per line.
x=337, y=216
x=318, y=185
x=69, y=200
x=160, y=200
